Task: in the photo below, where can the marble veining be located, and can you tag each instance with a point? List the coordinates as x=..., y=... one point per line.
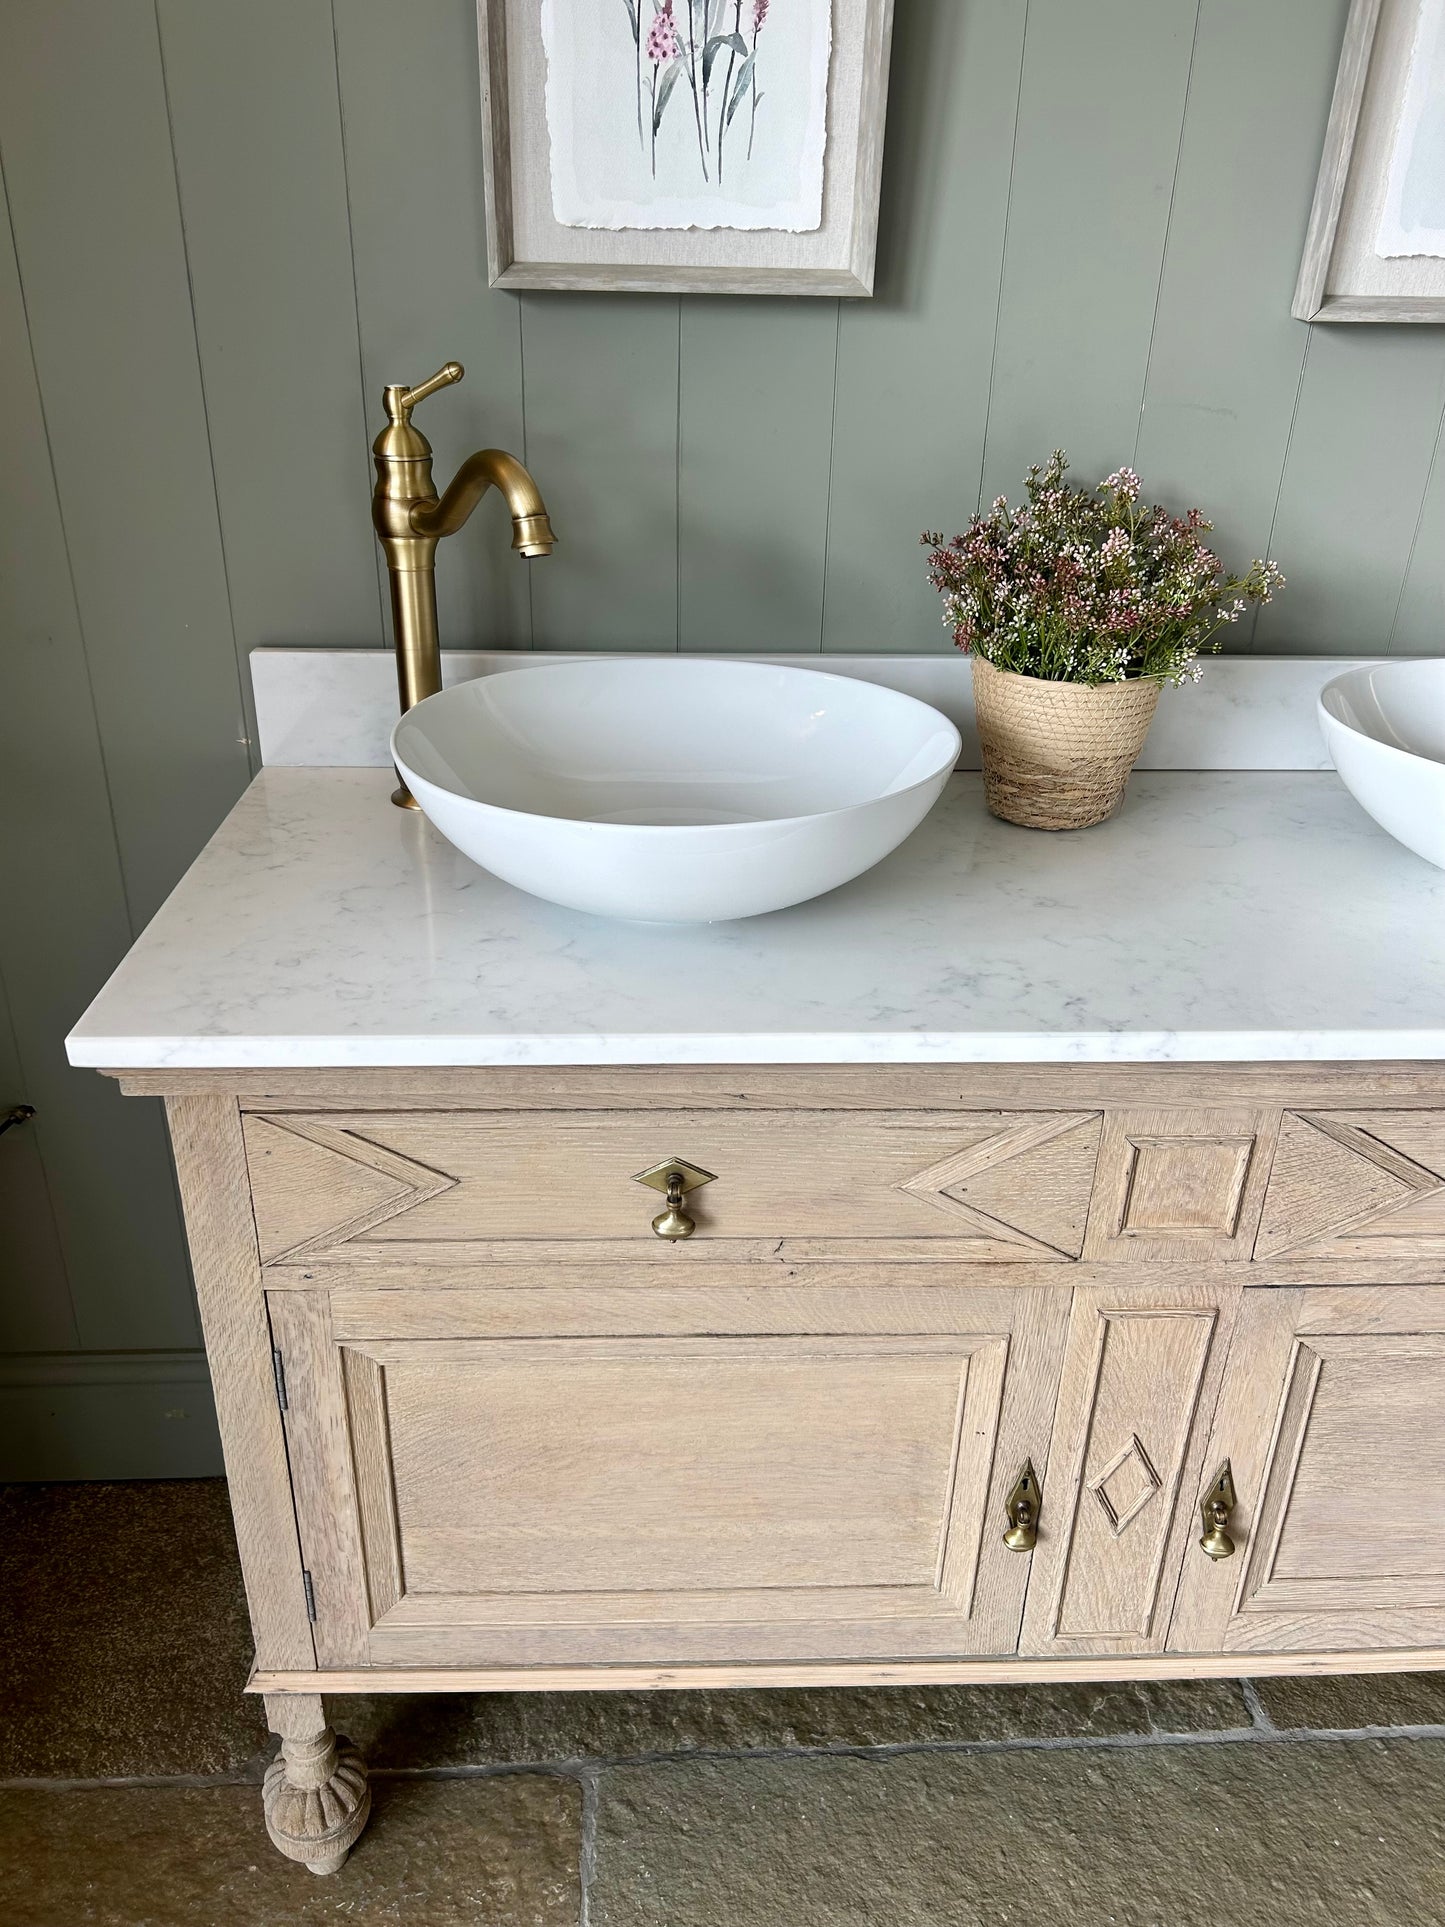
x=1221, y=915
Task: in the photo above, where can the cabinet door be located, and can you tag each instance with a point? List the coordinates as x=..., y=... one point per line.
x=737, y=1472
x=1141, y=1373
x=1332, y=1417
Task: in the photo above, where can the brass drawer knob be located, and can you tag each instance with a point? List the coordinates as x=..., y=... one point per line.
x=1023, y=1506
x=674, y=1177
x=1214, y=1510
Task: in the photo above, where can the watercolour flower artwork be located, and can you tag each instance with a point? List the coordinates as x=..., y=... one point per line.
x=687, y=113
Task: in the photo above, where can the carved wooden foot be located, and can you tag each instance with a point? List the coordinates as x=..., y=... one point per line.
x=315, y=1794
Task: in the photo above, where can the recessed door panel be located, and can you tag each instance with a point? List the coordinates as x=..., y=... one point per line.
x=605, y=1498
x=1330, y=1417
x=1140, y=1375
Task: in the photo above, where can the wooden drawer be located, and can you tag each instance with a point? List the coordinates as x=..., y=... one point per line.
x=483, y=1477
x=472, y=1187
x=1168, y=1184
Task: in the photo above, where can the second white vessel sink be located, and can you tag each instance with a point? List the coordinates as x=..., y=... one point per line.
x=674, y=789
x=1384, y=726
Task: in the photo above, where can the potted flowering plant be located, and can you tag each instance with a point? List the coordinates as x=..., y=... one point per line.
x=1078, y=607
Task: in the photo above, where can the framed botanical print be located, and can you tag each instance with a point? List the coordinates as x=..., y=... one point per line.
x=1375, y=250
x=708, y=146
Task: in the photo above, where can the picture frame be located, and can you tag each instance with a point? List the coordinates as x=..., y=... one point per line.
x=1343, y=278
x=529, y=248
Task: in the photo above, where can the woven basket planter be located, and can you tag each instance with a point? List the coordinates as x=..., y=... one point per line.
x=1057, y=755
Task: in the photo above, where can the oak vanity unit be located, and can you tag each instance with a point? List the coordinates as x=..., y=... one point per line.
x=1065, y=1362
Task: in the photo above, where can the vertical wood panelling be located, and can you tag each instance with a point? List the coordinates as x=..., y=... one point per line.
x=1100, y=115
x=755, y=411
x=35, y=1309
x=1419, y=625
x=413, y=138
x=86, y=148
x=1359, y=457
x=913, y=364
x=104, y=1202
x=602, y=441
x=263, y=196
x=1225, y=363
x=233, y=223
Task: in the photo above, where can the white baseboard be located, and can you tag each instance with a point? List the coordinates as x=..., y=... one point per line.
x=334, y=708
x=107, y=1415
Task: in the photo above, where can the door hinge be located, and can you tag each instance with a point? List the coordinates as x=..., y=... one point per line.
x=310, y=1592
x=278, y=1369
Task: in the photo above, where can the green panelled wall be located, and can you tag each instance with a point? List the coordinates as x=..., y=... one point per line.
x=226, y=223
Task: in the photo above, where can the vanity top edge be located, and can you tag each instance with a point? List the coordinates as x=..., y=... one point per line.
x=1222, y=916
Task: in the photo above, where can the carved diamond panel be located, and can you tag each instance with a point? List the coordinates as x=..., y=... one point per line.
x=315, y=1185
x=1125, y=1486
x=1185, y=1185
x=1027, y=1186
x=1180, y=1184
x=1362, y=1185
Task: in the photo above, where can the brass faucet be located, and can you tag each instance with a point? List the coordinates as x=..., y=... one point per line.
x=410, y=518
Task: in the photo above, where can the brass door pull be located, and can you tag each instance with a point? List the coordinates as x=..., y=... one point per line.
x=674, y=1177
x=1023, y=1506
x=1214, y=1510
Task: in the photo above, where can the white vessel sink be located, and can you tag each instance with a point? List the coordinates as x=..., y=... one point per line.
x=674, y=789
x=1384, y=725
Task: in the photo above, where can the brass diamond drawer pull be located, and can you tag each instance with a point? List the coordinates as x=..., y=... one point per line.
x=1218, y=1503
x=674, y=1177
x=1022, y=1507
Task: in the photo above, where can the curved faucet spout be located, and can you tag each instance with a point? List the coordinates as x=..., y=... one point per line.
x=489, y=468
x=410, y=519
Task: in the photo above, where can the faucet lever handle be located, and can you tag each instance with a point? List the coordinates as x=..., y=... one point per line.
x=400, y=401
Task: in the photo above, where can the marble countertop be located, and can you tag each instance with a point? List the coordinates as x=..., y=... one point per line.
x=1221, y=915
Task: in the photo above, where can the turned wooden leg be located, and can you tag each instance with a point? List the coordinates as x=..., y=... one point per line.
x=315, y=1794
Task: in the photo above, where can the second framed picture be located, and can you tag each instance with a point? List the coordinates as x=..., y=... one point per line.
x=722, y=146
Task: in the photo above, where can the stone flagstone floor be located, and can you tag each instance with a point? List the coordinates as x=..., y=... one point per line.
x=130, y=1764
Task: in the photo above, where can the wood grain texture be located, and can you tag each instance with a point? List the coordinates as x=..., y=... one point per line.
x=1072, y=274
x=211, y=1167
x=874, y=1087
x=268, y=243
x=323, y=1483
x=98, y=236
x=1010, y=1670
x=1356, y=1185
x=370, y=1428
x=1137, y=1392
x=787, y=1489
x=1347, y=99
x=416, y=1187
x=559, y=1301
x=1327, y=1415
x=1180, y=1183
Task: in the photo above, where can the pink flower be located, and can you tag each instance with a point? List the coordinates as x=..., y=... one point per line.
x=662, y=42
x=760, y=13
